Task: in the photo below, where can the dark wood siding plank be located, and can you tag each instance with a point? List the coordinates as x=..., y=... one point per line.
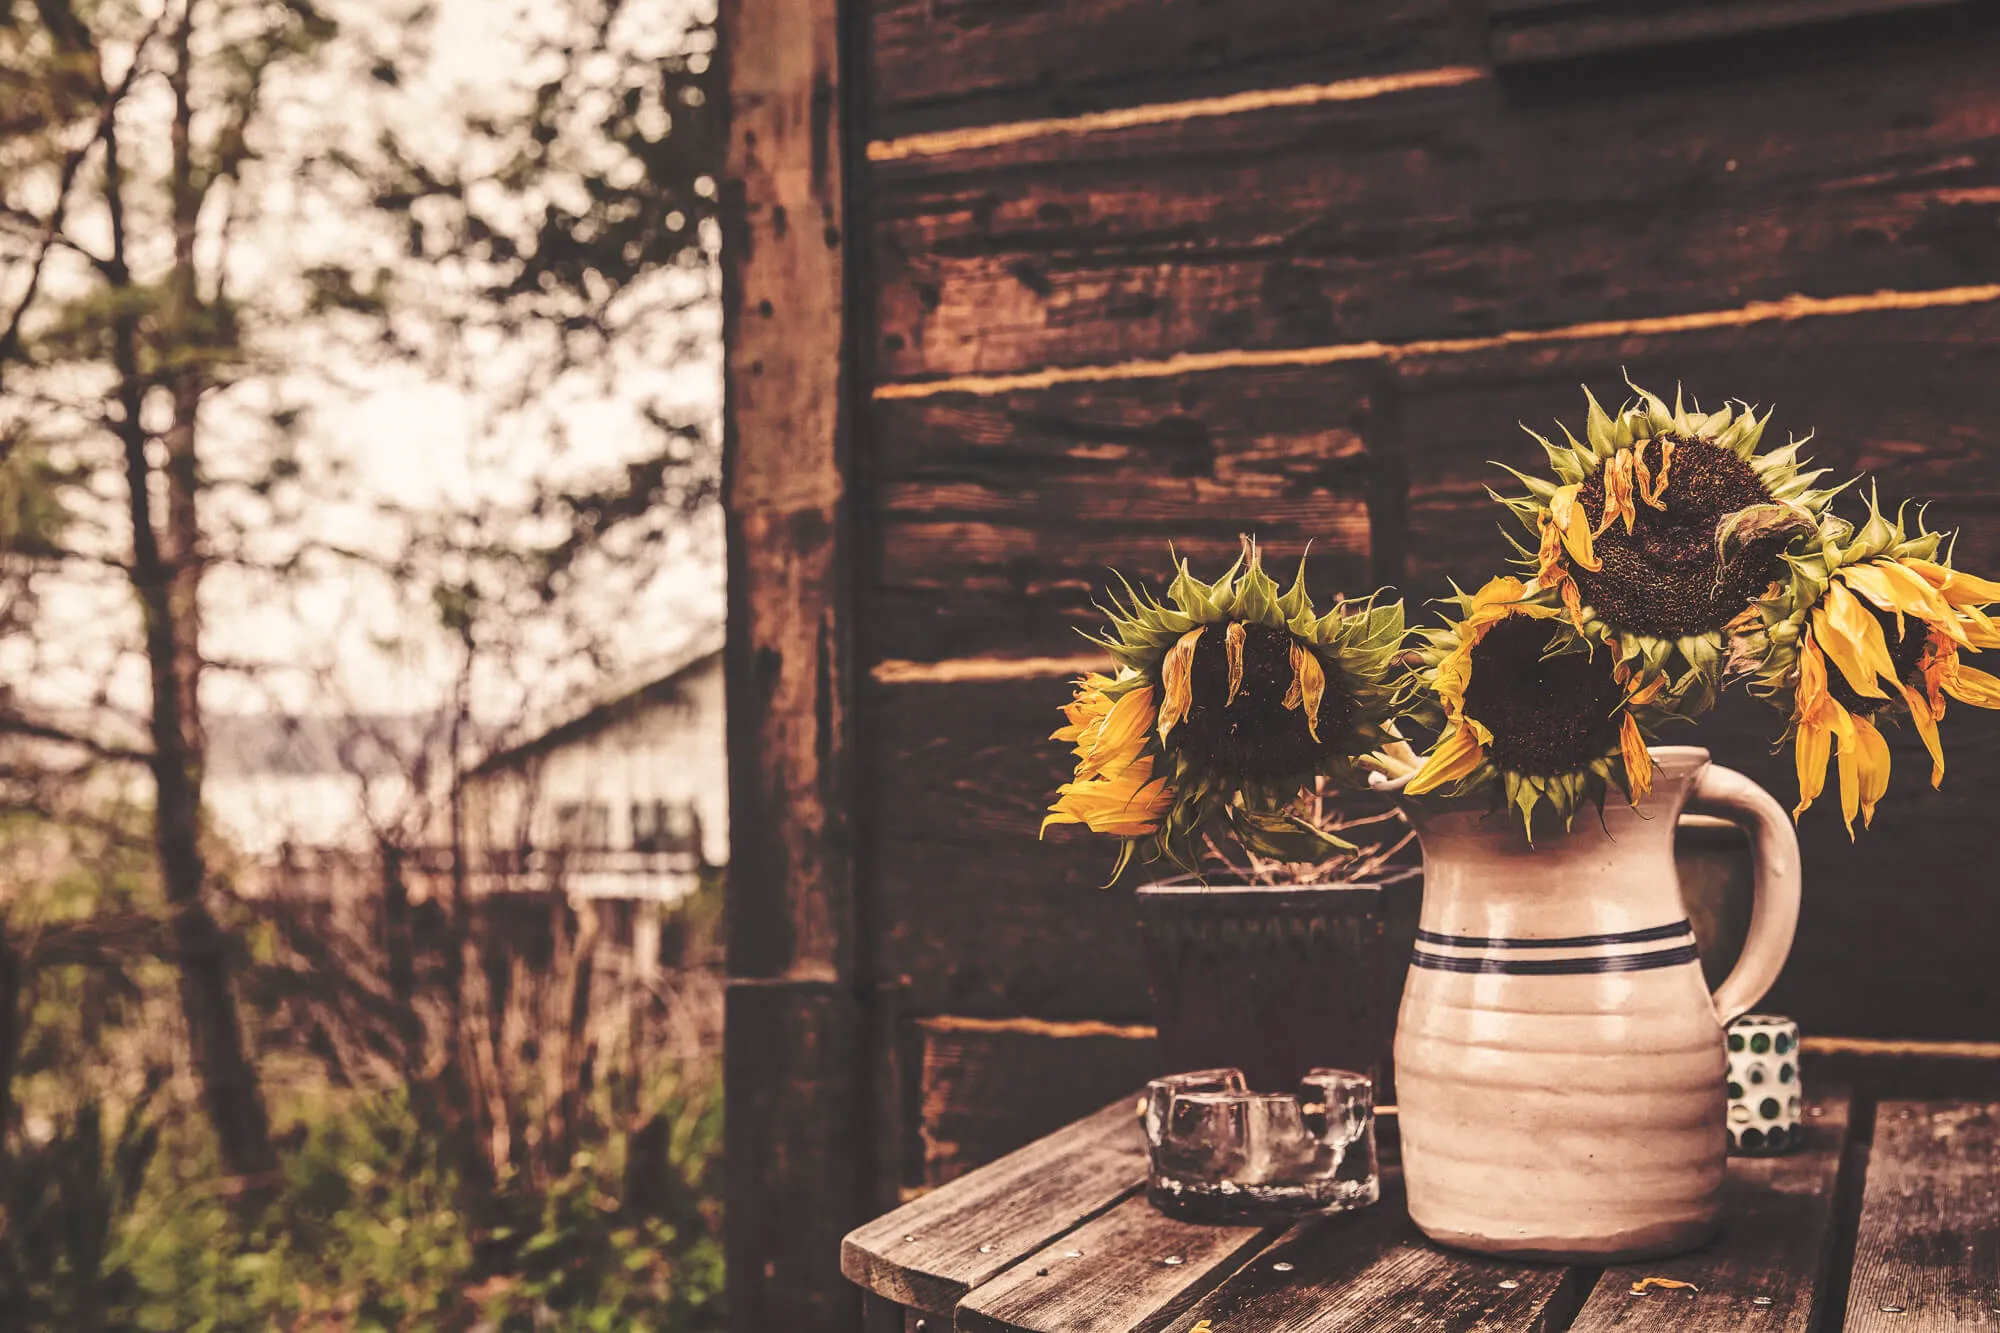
x=1001, y=925
x=1447, y=212
x=963, y=62
x=998, y=515
x=988, y=1087
x=1778, y=1233
x=929, y=1253
x=1928, y=1254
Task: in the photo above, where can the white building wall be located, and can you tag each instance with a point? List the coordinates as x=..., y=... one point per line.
x=595, y=796
x=672, y=751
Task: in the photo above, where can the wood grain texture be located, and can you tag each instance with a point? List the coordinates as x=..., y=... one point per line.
x=1928, y=1253
x=986, y=1091
x=1778, y=1232
x=795, y=1039
x=1455, y=211
x=960, y=62
x=1374, y=1270
x=785, y=452
x=996, y=517
x=1109, y=1275
x=929, y=1253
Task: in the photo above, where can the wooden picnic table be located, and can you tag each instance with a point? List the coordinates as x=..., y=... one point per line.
x=1883, y=1221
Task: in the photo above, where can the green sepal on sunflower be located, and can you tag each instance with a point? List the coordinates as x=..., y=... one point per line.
x=1872, y=623
x=1527, y=710
x=1248, y=692
x=1661, y=525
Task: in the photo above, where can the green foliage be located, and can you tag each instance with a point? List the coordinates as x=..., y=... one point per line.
x=116, y=1211
x=63, y=1203
x=369, y=1230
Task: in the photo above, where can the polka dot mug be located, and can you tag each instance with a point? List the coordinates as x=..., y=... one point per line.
x=1765, y=1098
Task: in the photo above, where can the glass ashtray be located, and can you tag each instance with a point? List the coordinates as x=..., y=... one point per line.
x=1222, y=1153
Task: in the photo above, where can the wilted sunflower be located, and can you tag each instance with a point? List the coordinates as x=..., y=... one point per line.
x=1662, y=526
x=1230, y=696
x=1892, y=619
x=1522, y=700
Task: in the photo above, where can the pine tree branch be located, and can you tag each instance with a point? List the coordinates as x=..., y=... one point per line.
x=52, y=232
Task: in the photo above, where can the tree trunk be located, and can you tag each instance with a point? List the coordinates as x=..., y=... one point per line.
x=10, y=1027
x=167, y=581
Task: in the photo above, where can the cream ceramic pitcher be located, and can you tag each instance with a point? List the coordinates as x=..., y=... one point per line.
x=1559, y=1060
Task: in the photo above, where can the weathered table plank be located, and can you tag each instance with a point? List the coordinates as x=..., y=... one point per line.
x=931, y=1252
x=1927, y=1256
x=1767, y=1270
x=1113, y=1274
x=1374, y=1270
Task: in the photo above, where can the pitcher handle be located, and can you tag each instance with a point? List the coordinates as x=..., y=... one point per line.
x=1774, y=910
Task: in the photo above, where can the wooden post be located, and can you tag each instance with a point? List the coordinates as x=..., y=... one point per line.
x=794, y=1043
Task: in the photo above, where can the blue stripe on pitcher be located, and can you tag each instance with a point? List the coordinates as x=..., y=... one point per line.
x=1584, y=965
x=1645, y=936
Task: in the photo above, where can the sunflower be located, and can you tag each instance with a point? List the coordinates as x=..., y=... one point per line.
x=1661, y=527
x=1870, y=625
x=1522, y=700
x=1229, y=697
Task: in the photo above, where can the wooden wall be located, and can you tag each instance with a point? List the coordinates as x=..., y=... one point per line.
x=1120, y=271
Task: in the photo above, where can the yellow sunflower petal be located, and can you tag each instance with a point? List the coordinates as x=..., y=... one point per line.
x=1309, y=679
x=1980, y=630
x=1970, y=685
x=1121, y=740
x=1618, y=488
x=1872, y=759
x=1872, y=583
x=1129, y=805
x=1926, y=720
x=1896, y=588
x=1177, y=676
x=1233, y=646
x=1641, y=474
x=1638, y=763
x=1086, y=712
x=1648, y=692
x=1847, y=756
x=1572, y=525
x=1813, y=736
x=1812, y=746
x=1496, y=597
x=1852, y=639
x=1572, y=600
x=1654, y=497
x=1959, y=588
x=1457, y=754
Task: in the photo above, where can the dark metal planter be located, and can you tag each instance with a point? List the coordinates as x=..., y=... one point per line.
x=1270, y=980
